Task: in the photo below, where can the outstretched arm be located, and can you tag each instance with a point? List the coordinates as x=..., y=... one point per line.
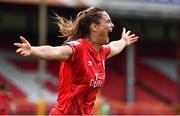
x=43, y=52
x=126, y=40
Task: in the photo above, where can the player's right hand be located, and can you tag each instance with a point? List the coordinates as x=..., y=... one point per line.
x=24, y=48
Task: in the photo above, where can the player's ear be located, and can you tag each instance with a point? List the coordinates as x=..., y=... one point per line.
x=94, y=27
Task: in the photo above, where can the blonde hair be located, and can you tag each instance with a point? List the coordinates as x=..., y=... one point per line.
x=78, y=28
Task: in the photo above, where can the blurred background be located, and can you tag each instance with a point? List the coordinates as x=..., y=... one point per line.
x=143, y=79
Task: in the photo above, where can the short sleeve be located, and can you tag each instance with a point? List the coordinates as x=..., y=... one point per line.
x=76, y=47
x=105, y=51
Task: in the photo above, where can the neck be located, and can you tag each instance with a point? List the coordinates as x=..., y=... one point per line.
x=95, y=44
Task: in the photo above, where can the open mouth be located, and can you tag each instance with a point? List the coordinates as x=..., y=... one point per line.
x=111, y=29
x=108, y=33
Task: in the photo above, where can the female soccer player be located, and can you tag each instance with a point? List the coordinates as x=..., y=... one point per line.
x=82, y=57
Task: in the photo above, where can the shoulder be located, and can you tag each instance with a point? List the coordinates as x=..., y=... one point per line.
x=74, y=43
x=76, y=46
x=105, y=46
x=105, y=50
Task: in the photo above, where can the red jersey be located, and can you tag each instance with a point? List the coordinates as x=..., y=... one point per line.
x=80, y=77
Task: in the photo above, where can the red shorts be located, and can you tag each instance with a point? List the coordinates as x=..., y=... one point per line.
x=55, y=111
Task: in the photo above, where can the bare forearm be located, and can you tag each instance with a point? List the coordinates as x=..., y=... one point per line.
x=117, y=46
x=51, y=53
x=126, y=40
x=42, y=52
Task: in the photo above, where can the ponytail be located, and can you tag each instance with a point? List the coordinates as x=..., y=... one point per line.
x=80, y=27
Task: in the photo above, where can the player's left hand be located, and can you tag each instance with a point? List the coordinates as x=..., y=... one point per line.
x=129, y=38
